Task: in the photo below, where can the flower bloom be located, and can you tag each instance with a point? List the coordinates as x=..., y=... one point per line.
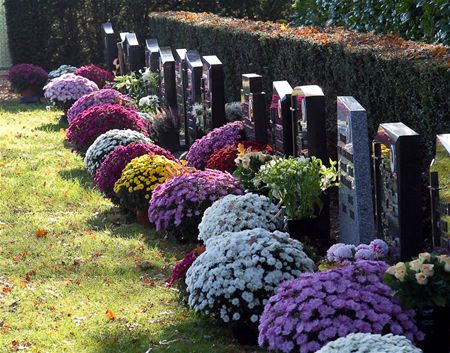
x=95, y=74
x=421, y=278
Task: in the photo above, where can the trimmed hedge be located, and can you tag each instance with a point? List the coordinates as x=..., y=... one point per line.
x=393, y=79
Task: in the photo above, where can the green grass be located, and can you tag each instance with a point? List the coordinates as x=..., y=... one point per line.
x=55, y=290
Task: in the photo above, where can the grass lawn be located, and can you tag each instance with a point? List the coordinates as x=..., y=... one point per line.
x=74, y=277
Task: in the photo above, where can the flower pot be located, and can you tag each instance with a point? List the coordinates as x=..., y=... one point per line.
x=142, y=216
x=310, y=232
x=435, y=324
x=245, y=334
x=31, y=94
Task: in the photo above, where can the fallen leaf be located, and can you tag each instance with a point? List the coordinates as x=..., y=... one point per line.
x=110, y=315
x=41, y=233
x=148, y=281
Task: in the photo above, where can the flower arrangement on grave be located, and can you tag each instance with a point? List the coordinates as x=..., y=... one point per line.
x=233, y=279
x=24, y=77
x=178, y=204
x=138, y=84
x=180, y=269
x=62, y=70
x=421, y=283
x=224, y=158
x=198, y=114
x=111, y=168
x=63, y=91
x=340, y=253
x=233, y=111
x=97, y=120
x=235, y=213
x=149, y=104
x=103, y=96
x=248, y=163
x=140, y=177
x=298, y=183
x=95, y=74
x=105, y=143
x=370, y=343
x=317, y=308
x=164, y=129
x=203, y=148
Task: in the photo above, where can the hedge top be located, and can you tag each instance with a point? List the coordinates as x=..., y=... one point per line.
x=388, y=46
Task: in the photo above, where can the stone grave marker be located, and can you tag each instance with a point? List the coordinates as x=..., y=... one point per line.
x=152, y=55
x=280, y=119
x=109, y=45
x=356, y=217
x=134, y=56
x=213, y=93
x=121, y=54
x=167, y=79
x=194, y=72
x=253, y=101
x=398, y=189
x=181, y=83
x=440, y=194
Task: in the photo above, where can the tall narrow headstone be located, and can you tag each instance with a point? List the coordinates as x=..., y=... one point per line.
x=134, y=55
x=440, y=194
x=109, y=45
x=308, y=119
x=356, y=218
x=253, y=101
x=213, y=88
x=181, y=82
x=121, y=53
x=280, y=119
x=152, y=55
x=398, y=189
x=194, y=69
x=167, y=78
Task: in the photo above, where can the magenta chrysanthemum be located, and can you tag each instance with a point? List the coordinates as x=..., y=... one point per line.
x=95, y=74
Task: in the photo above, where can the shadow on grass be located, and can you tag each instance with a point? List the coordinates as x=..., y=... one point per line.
x=52, y=127
x=77, y=174
x=14, y=106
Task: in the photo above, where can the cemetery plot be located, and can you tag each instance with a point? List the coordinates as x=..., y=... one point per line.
x=253, y=102
x=398, y=189
x=194, y=72
x=109, y=44
x=355, y=196
x=440, y=193
x=280, y=119
x=152, y=55
x=181, y=82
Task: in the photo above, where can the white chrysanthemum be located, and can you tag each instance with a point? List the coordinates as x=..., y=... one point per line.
x=370, y=343
x=235, y=213
x=106, y=142
x=232, y=279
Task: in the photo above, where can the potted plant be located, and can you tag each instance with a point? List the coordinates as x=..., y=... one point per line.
x=299, y=183
x=96, y=74
x=424, y=285
x=28, y=80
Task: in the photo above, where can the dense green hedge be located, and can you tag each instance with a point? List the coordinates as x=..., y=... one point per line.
x=424, y=20
x=377, y=71
x=54, y=32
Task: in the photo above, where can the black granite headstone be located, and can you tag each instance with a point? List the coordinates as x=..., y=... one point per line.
x=152, y=55
x=440, y=194
x=181, y=83
x=253, y=101
x=398, y=189
x=121, y=53
x=194, y=70
x=109, y=45
x=213, y=92
x=167, y=78
x=134, y=55
x=281, y=120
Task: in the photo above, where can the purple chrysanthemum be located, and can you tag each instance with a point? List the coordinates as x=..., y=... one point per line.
x=95, y=74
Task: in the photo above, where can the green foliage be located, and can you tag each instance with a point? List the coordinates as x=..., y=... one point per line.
x=248, y=164
x=138, y=84
x=412, y=19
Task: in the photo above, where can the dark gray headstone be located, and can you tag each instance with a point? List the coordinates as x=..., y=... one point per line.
x=440, y=194
x=213, y=94
x=109, y=45
x=356, y=218
x=253, y=101
x=181, y=83
x=167, y=78
x=121, y=53
x=194, y=70
x=152, y=55
x=280, y=119
x=134, y=54
x=398, y=189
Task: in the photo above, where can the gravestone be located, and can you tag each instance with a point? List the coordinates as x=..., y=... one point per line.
x=167, y=86
x=194, y=72
x=355, y=189
x=253, y=101
x=134, y=56
x=213, y=93
x=308, y=119
x=181, y=82
x=280, y=119
x=440, y=194
x=121, y=53
x=109, y=45
x=398, y=189
x=152, y=55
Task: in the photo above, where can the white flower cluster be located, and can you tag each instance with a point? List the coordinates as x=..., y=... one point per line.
x=62, y=70
x=106, y=142
x=234, y=278
x=235, y=213
x=370, y=343
x=233, y=111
